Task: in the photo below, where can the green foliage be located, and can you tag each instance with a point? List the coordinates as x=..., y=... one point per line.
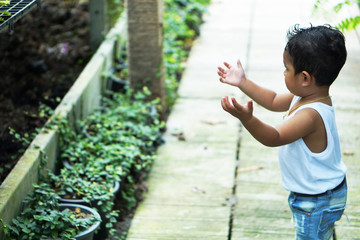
x=43, y=218
x=114, y=11
x=116, y=142
x=4, y=3
x=79, y=183
x=182, y=20
x=350, y=22
x=24, y=139
x=113, y=143
x=94, y=188
x=119, y=137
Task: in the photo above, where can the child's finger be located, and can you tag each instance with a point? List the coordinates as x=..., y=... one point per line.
x=221, y=74
x=227, y=65
x=226, y=105
x=221, y=71
x=250, y=105
x=223, y=104
x=237, y=105
x=239, y=63
x=224, y=101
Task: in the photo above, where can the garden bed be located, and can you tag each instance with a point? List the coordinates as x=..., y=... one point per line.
x=80, y=101
x=39, y=63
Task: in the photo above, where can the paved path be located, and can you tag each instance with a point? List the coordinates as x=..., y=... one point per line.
x=212, y=179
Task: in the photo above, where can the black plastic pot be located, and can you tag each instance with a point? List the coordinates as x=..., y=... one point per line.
x=102, y=232
x=89, y=233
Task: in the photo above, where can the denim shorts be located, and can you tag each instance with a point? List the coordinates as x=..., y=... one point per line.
x=314, y=217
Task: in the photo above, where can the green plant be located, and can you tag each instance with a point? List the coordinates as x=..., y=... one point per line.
x=123, y=134
x=114, y=142
x=79, y=183
x=94, y=187
x=24, y=139
x=182, y=19
x=42, y=218
x=4, y=3
x=128, y=194
x=114, y=10
x=118, y=141
x=349, y=23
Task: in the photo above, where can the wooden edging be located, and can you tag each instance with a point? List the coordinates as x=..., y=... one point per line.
x=81, y=99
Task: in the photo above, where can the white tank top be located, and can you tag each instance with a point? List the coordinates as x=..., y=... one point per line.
x=306, y=172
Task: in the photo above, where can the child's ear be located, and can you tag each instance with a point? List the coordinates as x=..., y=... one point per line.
x=306, y=78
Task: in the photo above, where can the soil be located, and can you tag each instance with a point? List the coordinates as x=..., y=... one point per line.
x=39, y=62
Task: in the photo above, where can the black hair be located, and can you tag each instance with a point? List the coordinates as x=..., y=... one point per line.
x=319, y=50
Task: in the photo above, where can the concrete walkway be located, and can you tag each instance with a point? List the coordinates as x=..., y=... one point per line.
x=212, y=179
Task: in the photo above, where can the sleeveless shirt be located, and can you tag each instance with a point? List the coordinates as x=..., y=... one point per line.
x=303, y=171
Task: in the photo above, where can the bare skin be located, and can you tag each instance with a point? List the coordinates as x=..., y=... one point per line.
x=306, y=123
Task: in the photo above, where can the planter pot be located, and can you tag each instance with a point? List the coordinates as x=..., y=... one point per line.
x=89, y=233
x=102, y=232
x=116, y=187
x=116, y=84
x=66, y=164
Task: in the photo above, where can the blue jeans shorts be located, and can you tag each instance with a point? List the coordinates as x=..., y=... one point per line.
x=314, y=217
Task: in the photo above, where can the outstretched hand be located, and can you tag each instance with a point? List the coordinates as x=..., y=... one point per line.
x=242, y=112
x=233, y=75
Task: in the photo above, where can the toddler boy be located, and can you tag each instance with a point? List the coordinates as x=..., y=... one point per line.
x=309, y=149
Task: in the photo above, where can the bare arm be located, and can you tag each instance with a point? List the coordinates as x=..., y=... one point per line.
x=235, y=76
x=266, y=97
x=302, y=124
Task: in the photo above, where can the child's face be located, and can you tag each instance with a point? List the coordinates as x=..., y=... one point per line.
x=289, y=73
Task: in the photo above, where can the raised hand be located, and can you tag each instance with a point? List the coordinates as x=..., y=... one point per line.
x=232, y=75
x=242, y=112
